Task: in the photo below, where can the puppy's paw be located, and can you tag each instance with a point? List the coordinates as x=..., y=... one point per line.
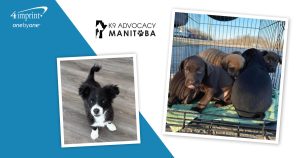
x=197, y=109
x=220, y=103
x=111, y=126
x=94, y=134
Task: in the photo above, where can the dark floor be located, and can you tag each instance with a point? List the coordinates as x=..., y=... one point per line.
x=117, y=71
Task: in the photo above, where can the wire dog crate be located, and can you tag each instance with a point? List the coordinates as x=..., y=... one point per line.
x=194, y=33
x=197, y=32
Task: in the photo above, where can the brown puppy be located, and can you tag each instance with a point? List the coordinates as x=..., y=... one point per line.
x=232, y=63
x=179, y=93
x=196, y=77
x=186, y=83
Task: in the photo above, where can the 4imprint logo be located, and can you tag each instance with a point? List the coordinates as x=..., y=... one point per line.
x=28, y=18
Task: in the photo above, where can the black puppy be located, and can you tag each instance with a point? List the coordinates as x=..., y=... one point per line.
x=252, y=90
x=272, y=60
x=98, y=103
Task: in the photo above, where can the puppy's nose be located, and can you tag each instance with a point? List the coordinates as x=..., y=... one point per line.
x=96, y=111
x=191, y=82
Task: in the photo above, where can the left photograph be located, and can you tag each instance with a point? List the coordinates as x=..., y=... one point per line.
x=98, y=100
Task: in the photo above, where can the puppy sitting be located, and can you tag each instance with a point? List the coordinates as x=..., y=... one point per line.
x=232, y=63
x=252, y=90
x=196, y=78
x=98, y=103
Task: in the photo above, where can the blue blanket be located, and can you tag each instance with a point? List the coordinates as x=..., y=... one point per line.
x=176, y=114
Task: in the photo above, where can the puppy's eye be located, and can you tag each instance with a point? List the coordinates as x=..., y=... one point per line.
x=231, y=68
x=92, y=101
x=269, y=60
x=103, y=101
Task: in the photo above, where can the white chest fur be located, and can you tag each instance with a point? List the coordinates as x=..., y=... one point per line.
x=100, y=120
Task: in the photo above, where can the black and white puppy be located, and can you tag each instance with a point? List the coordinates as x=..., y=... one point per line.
x=98, y=102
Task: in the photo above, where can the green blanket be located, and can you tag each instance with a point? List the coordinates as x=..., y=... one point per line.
x=176, y=114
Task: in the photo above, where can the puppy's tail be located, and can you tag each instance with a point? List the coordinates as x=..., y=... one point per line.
x=94, y=69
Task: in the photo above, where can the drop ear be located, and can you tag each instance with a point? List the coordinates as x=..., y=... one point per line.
x=181, y=66
x=111, y=90
x=84, y=91
x=264, y=53
x=280, y=59
x=243, y=62
x=236, y=52
x=249, y=53
x=224, y=63
x=209, y=68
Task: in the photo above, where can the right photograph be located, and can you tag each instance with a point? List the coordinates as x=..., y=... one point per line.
x=226, y=76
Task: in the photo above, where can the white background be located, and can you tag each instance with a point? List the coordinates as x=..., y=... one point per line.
x=152, y=57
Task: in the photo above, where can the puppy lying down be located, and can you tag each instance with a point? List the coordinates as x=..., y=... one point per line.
x=187, y=87
x=196, y=78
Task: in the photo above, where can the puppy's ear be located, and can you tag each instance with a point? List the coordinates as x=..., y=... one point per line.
x=111, y=90
x=209, y=68
x=264, y=53
x=279, y=59
x=224, y=63
x=249, y=53
x=242, y=62
x=181, y=67
x=236, y=52
x=84, y=91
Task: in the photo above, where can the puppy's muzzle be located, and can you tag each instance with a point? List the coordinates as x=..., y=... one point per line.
x=193, y=85
x=96, y=110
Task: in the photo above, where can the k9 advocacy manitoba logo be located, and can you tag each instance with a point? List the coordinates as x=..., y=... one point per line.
x=28, y=18
x=124, y=29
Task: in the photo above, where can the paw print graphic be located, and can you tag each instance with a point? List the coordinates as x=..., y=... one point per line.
x=140, y=33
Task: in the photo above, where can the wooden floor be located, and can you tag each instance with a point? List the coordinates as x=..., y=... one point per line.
x=117, y=71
